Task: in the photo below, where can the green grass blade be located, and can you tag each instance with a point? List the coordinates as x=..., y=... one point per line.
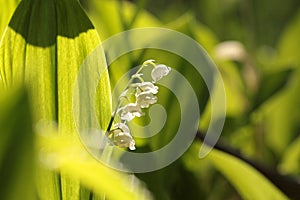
x=247, y=181
x=290, y=163
x=16, y=147
x=288, y=45
x=113, y=23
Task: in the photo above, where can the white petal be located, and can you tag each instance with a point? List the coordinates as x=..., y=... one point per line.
x=130, y=111
x=160, y=71
x=123, y=127
x=146, y=87
x=144, y=99
x=132, y=145
x=127, y=116
x=122, y=137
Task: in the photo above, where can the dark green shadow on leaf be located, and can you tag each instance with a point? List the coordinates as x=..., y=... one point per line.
x=271, y=84
x=40, y=22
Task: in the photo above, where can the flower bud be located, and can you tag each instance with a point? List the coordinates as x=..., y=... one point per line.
x=160, y=71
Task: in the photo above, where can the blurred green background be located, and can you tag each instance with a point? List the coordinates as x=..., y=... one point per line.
x=261, y=75
x=255, y=45
x=260, y=70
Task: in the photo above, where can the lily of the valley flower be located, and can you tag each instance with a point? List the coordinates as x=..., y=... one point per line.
x=121, y=136
x=159, y=71
x=144, y=92
x=146, y=87
x=145, y=99
x=130, y=111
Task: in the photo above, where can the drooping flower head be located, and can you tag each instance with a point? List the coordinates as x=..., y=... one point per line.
x=159, y=71
x=121, y=136
x=146, y=87
x=145, y=99
x=129, y=111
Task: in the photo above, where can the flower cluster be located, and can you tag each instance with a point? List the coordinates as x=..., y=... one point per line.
x=144, y=93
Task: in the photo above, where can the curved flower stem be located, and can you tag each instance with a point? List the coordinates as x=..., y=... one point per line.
x=114, y=114
x=147, y=62
x=112, y=118
x=134, y=76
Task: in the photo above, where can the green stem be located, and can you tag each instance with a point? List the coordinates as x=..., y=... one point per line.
x=112, y=118
x=147, y=62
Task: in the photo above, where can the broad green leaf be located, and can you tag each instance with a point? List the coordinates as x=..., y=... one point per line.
x=16, y=147
x=288, y=46
x=62, y=154
x=44, y=46
x=6, y=10
x=247, y=181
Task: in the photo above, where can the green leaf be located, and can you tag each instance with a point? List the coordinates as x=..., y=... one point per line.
x=290, y=163
x=44, y=46
x=247, y=181
x=61, y=154
x=6, y=11
x=109, y=20
x=281, y=116
x=16, y=147
x=271, y=84
x=288, y=46
x=189, y=25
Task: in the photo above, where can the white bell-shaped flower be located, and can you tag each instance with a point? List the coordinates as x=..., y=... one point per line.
x=146, y=87
x=130, y=111
x=145, y=99
x=160, y=71
x=122, y=137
